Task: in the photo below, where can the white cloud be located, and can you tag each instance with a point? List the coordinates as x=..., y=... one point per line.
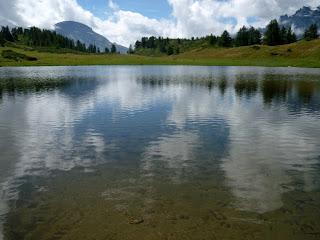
x=113, y=5
x=189, y=17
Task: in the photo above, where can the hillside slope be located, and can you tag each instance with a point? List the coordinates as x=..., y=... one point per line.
x=300, y=54
x=299, y=51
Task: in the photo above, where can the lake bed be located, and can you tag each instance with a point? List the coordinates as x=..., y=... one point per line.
x=159, y=152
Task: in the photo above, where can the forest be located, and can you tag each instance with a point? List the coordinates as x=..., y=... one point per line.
x=273, y=35
x=43, y=38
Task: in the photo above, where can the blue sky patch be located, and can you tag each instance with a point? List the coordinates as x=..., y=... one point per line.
x=150, y=8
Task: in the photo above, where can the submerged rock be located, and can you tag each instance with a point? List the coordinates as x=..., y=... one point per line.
x=136, y=220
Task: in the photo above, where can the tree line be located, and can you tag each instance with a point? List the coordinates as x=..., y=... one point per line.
x=35, y=37
x=274, y=34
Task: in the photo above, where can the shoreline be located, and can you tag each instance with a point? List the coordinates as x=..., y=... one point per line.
x=161, y=65
x=302, y=54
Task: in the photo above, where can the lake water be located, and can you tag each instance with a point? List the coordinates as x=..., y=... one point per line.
x=159, y=152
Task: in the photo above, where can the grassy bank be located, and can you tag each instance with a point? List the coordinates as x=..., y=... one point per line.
x=300, y=54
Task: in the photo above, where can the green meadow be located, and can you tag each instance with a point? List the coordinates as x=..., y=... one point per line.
x=299, y=54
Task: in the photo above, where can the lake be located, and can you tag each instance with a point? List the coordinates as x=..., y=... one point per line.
x=159, y=152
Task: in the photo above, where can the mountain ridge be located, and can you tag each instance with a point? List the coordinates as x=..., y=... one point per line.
x=301, y=19
x=85, y=34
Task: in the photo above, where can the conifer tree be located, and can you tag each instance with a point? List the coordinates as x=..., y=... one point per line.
x=283, y=35
x=242, y=38
x=7, y=34
x=130, y=50
x=254, y=36
x=291, y=36
x=170, y=50
x=113, y=49
x=225, y=39
x=2, y=40
x=272, y=36
x=212, y=40
x=311, y=33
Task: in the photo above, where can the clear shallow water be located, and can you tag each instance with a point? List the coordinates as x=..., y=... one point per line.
x=183, y=152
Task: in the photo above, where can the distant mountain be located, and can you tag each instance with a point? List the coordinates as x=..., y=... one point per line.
x=302, y=19
x=85, y=34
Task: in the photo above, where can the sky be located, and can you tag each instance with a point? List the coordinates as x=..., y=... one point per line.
x=150, y=8
x=125, y=21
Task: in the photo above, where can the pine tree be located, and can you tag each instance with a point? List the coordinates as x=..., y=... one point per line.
x=162, y=45
x=113, y=49
x=2, y=40
x=283, y=35
x=80, y=46
x=106, y=50
x=272, y=36
x=177, y=50
x=254, y=36
x=92, y=48
x=130, y=50
x=291, y=36
x=212, y=40
x=7, y=34
x=170, y=50
x=242, y=38
x=311, y=33
x=151, y=43
x=143, y=42
x=16, y=32
x=225, y=39
x=137, y=45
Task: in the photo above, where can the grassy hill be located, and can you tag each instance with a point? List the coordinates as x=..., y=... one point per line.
x=302, y=54
x=299, y=54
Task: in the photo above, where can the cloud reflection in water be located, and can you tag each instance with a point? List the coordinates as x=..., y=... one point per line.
x=260, y=125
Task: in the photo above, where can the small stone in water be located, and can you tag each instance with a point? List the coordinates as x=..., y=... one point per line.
x=136, y=221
